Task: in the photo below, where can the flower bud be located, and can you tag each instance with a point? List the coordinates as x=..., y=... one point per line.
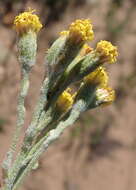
x=80, y=31
x=85, y=50
x=94, y=90
x=65, y=101
x=97, y=77
x=27, y=26
x=66, y=48
x=105, y=96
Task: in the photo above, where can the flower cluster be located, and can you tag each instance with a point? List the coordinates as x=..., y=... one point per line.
x=69, y=61
x=87, y=67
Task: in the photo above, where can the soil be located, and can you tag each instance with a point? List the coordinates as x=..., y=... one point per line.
x=76, y=162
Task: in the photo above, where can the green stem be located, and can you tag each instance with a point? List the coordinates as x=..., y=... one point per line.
x=38, y=110
x=47, y=140
x=29, y=138
x=20, y=118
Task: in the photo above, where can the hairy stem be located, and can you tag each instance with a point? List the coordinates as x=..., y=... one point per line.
x=20, y=118
x=48, y=139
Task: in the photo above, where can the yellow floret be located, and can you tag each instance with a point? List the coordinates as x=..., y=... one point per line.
x=83, y=28
x=65, y=32
x=98, y=77
x=27, y=21
x=107, y=51
x=65, y=101
x=85, y=50
x=105, y=95
x=80, y=30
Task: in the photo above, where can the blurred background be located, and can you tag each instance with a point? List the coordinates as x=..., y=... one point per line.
x=99, y=151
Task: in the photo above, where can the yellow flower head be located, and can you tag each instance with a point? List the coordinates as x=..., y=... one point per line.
x=80, y=30
x=98, y=77
x=65, y=100
x=107, y=51
x=105, y=95
x=27, y=21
